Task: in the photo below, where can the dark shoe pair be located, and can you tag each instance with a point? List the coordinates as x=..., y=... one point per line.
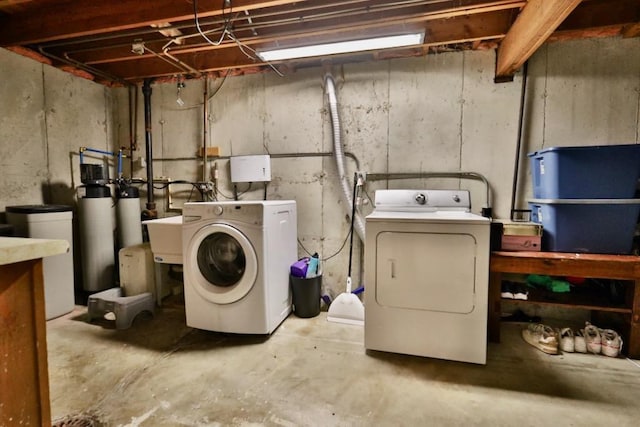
x=514, y=290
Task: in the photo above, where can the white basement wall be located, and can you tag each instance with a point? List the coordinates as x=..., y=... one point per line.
x=436, y=113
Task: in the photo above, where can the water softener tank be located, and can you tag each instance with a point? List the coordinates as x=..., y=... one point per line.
x=128, y=215
x=96, y=238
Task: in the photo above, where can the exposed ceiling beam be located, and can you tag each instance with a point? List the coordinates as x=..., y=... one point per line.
x=631, y=30
x=491, y=24
x=599, y=18
x=120, y=42
x=76, y=18
x=586, y=33
x=535, y=23
x=9, y=3
x=461, y=29
x=599, y=13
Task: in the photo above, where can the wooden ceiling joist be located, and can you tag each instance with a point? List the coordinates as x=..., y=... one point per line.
x=632, y=30
x=459, y=29
x=535, y=23
x=464, y=27
x=80, y=18
x=120, y=41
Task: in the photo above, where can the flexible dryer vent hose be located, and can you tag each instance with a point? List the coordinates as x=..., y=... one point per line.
x=338, y=151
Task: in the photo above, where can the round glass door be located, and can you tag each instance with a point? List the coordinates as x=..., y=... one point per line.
x=224, y=263
x=221, y=259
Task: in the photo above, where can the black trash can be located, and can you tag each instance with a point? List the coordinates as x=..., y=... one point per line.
x=6, y=230
x=306, y=295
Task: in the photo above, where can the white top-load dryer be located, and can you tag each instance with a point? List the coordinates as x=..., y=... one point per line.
x=426, y=275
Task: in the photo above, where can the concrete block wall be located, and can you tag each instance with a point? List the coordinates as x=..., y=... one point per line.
x=23, y=143
x=437, y=113
x=46, y=115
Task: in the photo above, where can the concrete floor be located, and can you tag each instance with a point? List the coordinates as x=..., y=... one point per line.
x=311, y=372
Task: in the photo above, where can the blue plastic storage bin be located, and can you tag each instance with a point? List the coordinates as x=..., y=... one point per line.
x=605, y=226
x=597, y=172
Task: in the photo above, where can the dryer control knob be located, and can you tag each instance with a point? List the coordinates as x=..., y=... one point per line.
x=218, y=210
x=456, y=198
x=421, y=199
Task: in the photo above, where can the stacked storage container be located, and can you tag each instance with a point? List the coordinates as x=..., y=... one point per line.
x=583, y=197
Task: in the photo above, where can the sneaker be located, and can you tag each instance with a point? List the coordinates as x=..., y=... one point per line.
x=506, y=290
x=542, y=337
x=520, y=291
x=567, y=340
x=611, y=343
x=580, y=345
x=592, y=338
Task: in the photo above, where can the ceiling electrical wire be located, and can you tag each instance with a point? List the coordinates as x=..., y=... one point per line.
x=227, y=32
x=229, y=24
x=170, y=60
x=254, y=58
x=232, y=25
x=217, y=89
x=241, y=45
x=169, y=106
x=299, y=9
x=224, y=29
x=306, y=13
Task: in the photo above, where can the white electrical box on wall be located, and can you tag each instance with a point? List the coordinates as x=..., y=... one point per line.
x=251, y=168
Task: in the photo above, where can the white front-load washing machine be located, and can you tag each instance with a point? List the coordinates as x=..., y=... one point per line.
x=427, y=275
x=236, y=261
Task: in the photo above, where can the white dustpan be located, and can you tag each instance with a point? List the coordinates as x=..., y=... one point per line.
x=347, y=308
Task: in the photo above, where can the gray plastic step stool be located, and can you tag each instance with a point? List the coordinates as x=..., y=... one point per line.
x=124, y=308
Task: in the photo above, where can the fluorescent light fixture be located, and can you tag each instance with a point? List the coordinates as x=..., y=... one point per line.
x=342, y=47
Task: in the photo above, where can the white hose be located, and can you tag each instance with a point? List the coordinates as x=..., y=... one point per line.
x=347, y=197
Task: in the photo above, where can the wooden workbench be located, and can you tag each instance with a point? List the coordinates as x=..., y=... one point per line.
x=620, y=267
x=24, y=379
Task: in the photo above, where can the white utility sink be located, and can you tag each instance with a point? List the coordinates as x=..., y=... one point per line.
x=165, y=236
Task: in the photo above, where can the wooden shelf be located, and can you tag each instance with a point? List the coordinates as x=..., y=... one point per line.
x=576, y=299
x=597, y=266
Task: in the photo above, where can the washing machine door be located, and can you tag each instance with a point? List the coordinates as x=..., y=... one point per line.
x=222, y=262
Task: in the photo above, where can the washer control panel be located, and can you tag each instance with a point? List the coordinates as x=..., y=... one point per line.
x=248, y=213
